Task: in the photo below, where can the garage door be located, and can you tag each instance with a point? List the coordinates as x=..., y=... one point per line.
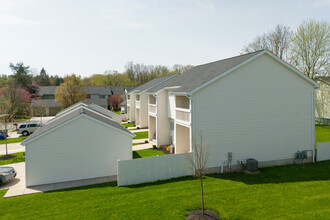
x=54, y=111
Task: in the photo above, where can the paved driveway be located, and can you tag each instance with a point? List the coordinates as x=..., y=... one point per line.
x=19, y=180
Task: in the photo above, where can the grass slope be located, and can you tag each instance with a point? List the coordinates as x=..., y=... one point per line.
x=322, y=133
x=141, y=135
x=289, y=192
x=12, y=140
x=19, y=158
x=146, y=153
x=127, y=125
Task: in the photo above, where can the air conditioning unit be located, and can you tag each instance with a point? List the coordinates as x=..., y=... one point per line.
x=252, y=165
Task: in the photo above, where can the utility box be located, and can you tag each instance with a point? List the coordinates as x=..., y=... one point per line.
x=252, y=165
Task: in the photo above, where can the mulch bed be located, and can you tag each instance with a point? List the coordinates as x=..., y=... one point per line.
x=7, y=157
x=197, y=215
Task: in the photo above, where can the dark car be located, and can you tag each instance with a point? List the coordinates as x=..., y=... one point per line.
x=7, y=174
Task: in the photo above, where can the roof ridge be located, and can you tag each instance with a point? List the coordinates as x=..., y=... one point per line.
x=231, y=57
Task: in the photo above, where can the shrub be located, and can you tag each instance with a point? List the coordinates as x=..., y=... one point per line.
x=168, y=148
x=146, y=141
x=138, y=128
x=154, y=146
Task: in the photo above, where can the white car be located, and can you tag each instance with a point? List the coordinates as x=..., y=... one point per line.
x=27, y=128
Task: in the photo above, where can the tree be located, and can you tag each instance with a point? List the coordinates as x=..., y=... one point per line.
x=21, y=74
x=43, y=79
x=15, y=100
x=197, y=161
x=55, y=80
x=114, y=101
x=311, y=48
x=39, y=109
x=276, y=41
x=70, y=91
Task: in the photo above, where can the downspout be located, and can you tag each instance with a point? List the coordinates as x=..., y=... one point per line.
x=313, y=126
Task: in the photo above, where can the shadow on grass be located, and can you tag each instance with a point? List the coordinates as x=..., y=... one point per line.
x=282, y=174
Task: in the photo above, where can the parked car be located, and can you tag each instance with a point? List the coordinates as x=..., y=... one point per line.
x=7, y=174
x=3, y=134
x=27, y=128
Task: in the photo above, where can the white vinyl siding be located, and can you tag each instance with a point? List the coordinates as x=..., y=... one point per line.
x=82, y=149
x=262, y=110
x=171, y=106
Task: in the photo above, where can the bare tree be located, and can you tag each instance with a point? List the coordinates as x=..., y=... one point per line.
x=276, y=41
x=197, y=161
x=311, y=48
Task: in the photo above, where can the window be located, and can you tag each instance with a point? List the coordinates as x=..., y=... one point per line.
x=22, y=126
x=33, y=125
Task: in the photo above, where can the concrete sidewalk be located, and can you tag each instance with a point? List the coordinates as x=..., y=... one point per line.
x=142, y=146
x=12, y=148
x=138, y=130
x=139, y=141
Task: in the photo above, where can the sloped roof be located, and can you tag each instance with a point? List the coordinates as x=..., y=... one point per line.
x=74, y=113
x=202, y=74
x=100, y=90
x=194, y=77
x=152, y=83
x=53, y=103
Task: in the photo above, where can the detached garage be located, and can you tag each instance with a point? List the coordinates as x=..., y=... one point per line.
x=79, y=144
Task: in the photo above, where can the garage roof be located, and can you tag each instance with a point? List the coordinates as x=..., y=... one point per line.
x=73, y=114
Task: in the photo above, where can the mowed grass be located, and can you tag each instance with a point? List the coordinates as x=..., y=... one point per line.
x=146, y=153
x=19, y=158
x=128, y=125
x=288, y=192
x=141, y=135
x=117, y=112
x=322, y=133
x=12, y=140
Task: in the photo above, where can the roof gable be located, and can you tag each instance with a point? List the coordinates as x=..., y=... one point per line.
x=202, y=75
x=67, y=118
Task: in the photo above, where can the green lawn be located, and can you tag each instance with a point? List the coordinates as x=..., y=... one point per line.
x=13, y=140
x=288, y=192
x=19, y=158
x=117, y=112
x=322, y=133
x=146, y=153
x=141, y=135
x=127, y=125
x=22, y=119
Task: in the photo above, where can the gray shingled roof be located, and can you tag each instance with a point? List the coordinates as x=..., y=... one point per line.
x=81, y=110
x=101, y=90
x=201, y=74
x=151, y=83
x=53, y=103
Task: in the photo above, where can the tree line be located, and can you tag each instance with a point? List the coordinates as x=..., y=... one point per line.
x=307, y=48
x=133, y=75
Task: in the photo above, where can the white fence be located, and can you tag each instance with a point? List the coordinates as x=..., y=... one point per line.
x=151, y=169
x=323, y=151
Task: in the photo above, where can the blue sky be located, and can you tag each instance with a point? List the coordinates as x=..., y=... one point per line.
x=86, y=37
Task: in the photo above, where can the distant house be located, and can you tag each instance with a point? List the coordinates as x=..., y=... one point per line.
x=250, y=106
x=81, y=142
x=98, y=95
